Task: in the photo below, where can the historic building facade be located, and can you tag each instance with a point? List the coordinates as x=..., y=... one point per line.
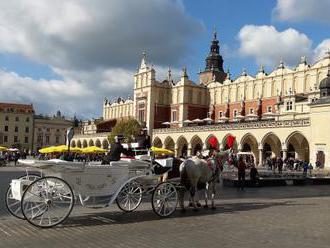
x=50, y=130
x=282, y=113
x=16, y=125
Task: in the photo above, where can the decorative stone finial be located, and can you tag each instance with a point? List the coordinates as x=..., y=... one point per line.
x=214, y=33
x=281, y=66
x=228, y=74
x=184, y=72
x=169, y=74
x=261, y=69
x=244, y=73
x=303, y=60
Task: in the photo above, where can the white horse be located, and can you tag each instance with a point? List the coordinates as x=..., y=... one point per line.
x=195, y=171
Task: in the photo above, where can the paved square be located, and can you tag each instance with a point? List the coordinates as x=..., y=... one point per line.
x=259, y=217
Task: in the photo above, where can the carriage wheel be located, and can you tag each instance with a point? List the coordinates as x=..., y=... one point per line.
x=13, y=205
x=129, y=197
x=47, y=202
x=164, y=199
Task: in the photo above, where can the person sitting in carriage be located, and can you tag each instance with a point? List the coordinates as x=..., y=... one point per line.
x=116, y=150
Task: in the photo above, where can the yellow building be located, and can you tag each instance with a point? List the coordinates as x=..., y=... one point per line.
x=16, y=125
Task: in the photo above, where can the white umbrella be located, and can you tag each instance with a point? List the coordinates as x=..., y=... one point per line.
x=187, y=121
x=251, y=116
x=240, y=117
x=198, y=120
x=166, y=123
x=268, y=115
x=207, y=119
x=13, y=150
x=222, y=119
x=174, y=122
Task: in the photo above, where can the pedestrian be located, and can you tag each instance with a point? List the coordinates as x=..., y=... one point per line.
x=279, y=165
x=310, y=168
x=241, y=173
x=254, y=176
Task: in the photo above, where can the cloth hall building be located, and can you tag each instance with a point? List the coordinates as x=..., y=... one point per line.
x=283, y=113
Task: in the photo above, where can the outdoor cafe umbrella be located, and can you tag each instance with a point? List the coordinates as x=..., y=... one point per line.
x=93, y=149
x=13, y=149
x=2, y=148
x=46, y=149
x=158, y=150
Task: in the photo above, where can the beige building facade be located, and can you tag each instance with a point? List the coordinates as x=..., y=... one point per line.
x=16, y=125
x=281, y=113
x=50, y=131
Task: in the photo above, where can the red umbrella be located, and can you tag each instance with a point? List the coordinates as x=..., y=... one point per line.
x=230, y=141
x=213, y=141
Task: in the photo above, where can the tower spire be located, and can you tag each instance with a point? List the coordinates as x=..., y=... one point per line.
x=143, y=61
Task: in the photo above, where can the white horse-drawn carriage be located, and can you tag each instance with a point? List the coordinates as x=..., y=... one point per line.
x=47, y=199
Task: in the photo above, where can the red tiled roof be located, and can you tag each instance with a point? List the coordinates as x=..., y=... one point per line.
x=16, y=107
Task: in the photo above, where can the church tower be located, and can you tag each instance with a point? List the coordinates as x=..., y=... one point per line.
x=213, y=64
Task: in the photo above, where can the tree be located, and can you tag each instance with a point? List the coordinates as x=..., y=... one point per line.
x=129, y=128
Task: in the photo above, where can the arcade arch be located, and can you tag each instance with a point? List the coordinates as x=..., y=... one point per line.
x=157, y=142
x=297, y=146
x=182, y=147
x=196, y=144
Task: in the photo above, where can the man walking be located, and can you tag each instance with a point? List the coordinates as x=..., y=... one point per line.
x=241, y=173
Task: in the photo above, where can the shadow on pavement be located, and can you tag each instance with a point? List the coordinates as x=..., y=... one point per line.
x=113, y=218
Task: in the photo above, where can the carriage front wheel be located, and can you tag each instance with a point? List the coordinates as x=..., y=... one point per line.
x=129, y=197
x=47, y=202
x=13, y=205
x=164, y=199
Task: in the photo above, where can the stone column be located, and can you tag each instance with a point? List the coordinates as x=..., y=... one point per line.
x=189, y=150
x=285, y=153
x=260, y=157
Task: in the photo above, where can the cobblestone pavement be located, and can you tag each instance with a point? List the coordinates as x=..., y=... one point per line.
x=259, y=217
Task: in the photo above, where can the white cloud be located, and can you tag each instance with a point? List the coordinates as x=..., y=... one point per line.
x=321, y=49
x=94, y=46
x=100, y=33
x=268, y=46
x=302, y=10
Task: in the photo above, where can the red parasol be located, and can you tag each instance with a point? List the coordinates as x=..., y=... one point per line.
x=230, y=141
x=213, y=141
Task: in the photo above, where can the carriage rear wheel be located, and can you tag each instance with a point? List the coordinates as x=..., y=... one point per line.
x=47, y=202
x=13, y=205
x=164, y=199
x=129, y=197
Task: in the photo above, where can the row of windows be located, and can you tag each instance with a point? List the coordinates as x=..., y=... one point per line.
x=27, y=119
x=48, y=129
x=251, y=111
x=5, y=139
x=27, y=129
x=47, y=139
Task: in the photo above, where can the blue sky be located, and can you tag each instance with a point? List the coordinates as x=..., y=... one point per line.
x=69, y=54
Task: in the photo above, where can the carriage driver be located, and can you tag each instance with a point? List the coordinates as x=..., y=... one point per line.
x=116, y=150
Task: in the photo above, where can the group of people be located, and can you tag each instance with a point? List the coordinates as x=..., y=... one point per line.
x=289, y=164
x=7, y=157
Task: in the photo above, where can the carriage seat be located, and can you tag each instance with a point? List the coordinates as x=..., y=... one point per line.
x=53, y=164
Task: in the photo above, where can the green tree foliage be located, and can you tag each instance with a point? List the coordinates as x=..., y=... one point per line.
x=129, y=128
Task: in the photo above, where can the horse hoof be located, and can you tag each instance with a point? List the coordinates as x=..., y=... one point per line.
x=214, y=208
x=198, y=204
x=206, y=206
x=195, y=209
x=183, y=210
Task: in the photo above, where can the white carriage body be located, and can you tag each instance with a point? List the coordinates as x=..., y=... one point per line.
x=91, y=179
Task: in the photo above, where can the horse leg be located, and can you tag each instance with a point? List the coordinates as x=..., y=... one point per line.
x=181, y=199
x=206, y=195
x=213, y=195
x=192, y=194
